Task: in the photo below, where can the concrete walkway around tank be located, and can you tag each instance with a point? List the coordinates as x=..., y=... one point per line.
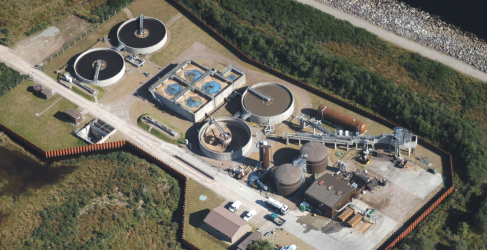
x=400, y=41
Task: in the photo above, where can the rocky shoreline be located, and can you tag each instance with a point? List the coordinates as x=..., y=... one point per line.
x=418, y=26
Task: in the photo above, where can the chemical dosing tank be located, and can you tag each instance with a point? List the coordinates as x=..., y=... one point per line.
x=317, y=157
x=339, y=118
x=288, y=179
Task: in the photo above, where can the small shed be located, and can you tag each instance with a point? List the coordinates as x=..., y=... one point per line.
x=225, y=225
x=47, y=93
x=255, y=236
x=75, y=116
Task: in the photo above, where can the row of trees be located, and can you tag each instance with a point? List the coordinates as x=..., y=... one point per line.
x=288, y=35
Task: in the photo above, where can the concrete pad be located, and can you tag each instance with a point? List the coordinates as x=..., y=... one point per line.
x=393, y=201
x=413, y=179
x=335, y=236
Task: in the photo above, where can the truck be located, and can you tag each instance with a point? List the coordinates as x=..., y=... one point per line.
x=278, y=219
x=284, y=209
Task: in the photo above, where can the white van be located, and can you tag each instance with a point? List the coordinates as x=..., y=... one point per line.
x=235, y=206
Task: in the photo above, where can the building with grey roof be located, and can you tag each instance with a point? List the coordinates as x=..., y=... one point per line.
x=225, y=225
x=329, y=193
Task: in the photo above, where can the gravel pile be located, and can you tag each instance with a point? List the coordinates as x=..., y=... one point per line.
x=418, y=26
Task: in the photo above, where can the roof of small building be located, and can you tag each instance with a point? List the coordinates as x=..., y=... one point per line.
x=328, y=190
x=255, y=236
x=75, y=114
x=46, y=92
x=224, y=221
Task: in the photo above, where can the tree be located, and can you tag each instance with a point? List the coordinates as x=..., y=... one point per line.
x=261, y=245
x=481, y=217
x=460, y=245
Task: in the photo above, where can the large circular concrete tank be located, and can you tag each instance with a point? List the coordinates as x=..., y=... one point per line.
x=153, y=37
x=339, y=118
x=288, y=179
x=317, y=157
x=277, y=109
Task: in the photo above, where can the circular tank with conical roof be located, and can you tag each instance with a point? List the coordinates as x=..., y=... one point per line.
x=317, y=157
x=288, y=179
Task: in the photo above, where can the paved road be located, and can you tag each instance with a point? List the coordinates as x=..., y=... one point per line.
x=400, y=41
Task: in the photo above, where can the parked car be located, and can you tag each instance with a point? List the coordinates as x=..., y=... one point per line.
x=249, y=215
x=235, y=206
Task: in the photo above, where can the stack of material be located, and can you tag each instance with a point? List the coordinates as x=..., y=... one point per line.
x=345, y=214
x=355, y=220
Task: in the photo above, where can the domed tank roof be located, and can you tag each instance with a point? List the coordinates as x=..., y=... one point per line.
x=316, y=151
x=37, y=88
x=287, y=174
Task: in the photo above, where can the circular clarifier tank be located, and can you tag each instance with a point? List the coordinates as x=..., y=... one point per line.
x=276, y=109
x=211, y=144
x=111, y=69
x=152, y=38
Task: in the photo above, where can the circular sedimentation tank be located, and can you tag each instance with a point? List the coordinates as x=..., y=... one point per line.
x=317, y=157
x=211, y=144
x=111, y=70
x=153, y=37
x=279, y=108
x=288, y=179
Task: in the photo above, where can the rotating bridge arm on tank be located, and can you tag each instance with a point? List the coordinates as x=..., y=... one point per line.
x=141, y=24
x=97, y=70
x=224, y=133
x=260, y=95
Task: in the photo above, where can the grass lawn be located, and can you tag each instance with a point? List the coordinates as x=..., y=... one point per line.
x=50, y=130
x=196, y=211
x=83, y=94
x=157, y=133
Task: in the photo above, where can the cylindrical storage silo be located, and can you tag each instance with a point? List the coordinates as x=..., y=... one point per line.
x=288, y=179
x=317, y=157
x=264, y=154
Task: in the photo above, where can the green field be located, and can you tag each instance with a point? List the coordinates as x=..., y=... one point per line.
x=159, y=134
x=51, y=130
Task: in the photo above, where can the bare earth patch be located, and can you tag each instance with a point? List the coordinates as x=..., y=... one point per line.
x=36, y=48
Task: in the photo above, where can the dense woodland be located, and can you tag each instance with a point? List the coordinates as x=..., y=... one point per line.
x=9, y=78
x=113, y=201
x=288, y=36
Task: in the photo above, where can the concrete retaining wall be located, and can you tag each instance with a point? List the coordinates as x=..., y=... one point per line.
x=227, y=156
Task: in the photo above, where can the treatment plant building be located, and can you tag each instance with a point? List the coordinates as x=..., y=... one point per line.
x=193, y=90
